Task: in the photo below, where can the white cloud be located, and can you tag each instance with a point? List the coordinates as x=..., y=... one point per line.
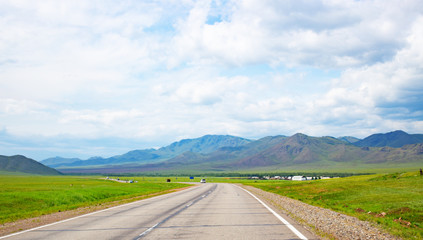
x=104, y=117
x=326, y=34
x=394, y=80
x=208, y=91
x=165, y=70
x=55, y=49
x=380, y=97
x=11, y=106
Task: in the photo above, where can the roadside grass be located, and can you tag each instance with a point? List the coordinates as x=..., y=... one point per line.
x=23, y=196
x=393, y=201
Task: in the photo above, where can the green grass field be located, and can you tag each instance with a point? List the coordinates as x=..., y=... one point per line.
x=393, y=201
x=398, y=195
x=23, y=196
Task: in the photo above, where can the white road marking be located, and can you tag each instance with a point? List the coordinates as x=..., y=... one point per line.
x=172, y=215
x=88, y=214
x=292, y=228
x=148, y=230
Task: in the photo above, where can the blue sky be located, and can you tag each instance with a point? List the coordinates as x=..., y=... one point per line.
x=100, y=78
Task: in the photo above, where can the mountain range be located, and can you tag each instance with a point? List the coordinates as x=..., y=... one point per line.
x=203, y=145
x=229, y=153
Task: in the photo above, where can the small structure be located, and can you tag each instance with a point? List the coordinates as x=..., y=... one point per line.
x=299, y=178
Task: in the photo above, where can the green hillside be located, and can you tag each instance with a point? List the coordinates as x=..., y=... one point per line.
x=23, y=164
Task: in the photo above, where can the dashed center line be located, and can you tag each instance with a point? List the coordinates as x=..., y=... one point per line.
x=174, y=214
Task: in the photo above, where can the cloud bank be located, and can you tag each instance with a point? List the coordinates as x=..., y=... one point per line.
x=146, y=74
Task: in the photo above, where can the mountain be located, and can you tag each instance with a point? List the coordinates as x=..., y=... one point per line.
x=299, y=149
x=202, y=145
x=349, y=139
x=214, y=161
x=222, y=158
x=304, y=152
x=141, y=156
x=394, y=139
x=23, y=164
x=205, y=144
x=57, y=161
x=321, y=152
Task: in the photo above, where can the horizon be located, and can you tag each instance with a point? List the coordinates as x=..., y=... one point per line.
x=95, y=78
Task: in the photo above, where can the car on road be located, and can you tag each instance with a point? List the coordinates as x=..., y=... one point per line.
x=203, y=180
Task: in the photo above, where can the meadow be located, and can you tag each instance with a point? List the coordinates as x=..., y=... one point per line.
x=25, y=196
x=393, y=201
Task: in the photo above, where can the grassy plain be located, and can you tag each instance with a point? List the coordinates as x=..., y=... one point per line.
x=23, y=196
x=393, y=201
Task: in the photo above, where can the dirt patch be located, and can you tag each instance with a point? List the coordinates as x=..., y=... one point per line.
x=29, y=223
x=359, y=210
x=400, y=211
x=403, y=222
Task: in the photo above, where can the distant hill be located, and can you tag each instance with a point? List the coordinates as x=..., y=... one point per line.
x=394, y=139
x=349, y=139
x=203, y=145
x=23, y=164
x=57, y=161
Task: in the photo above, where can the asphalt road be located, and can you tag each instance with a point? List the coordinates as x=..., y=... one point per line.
x=208, y=211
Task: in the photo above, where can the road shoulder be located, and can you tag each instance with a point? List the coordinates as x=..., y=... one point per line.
x=325, y=223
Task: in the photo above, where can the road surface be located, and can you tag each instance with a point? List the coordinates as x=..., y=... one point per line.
x=208, y=211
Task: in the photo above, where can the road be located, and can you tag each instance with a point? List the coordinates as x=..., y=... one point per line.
x=207, y=211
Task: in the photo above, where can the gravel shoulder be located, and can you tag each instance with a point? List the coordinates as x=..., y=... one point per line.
x=326, y=223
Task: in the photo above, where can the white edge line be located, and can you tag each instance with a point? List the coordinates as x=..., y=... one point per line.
x=88, y=214
x=147, y=231
x=292, y=228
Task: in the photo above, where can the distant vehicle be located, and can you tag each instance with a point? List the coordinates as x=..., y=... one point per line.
x=203, y=180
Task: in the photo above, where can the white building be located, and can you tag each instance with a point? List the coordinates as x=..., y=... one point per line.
x=299, y=178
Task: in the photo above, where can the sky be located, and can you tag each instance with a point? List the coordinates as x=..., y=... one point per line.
x=90, y=78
